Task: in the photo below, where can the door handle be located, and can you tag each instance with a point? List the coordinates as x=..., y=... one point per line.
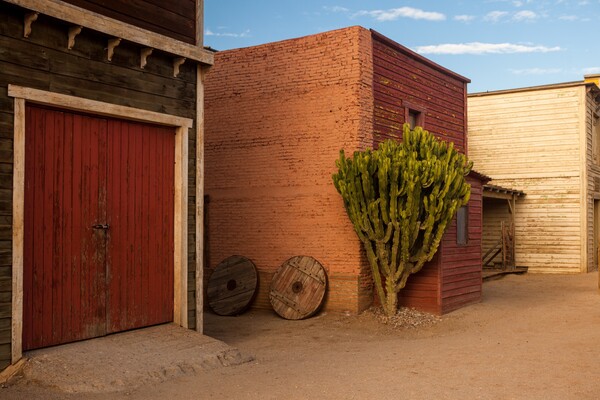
x=100, y=226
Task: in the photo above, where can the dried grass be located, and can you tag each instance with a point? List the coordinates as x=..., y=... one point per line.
x=405, y=318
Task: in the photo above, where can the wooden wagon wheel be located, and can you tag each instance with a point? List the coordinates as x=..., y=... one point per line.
x=232, y=286
x=298, y=288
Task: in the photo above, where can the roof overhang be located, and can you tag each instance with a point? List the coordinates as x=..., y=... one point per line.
x=81, y=17
x=499, y=192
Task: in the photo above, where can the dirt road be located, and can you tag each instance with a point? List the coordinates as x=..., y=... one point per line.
x=532, y=337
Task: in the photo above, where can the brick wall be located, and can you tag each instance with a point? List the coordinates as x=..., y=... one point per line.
x=276, y=117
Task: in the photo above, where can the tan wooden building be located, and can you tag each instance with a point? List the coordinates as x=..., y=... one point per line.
x=543, y=141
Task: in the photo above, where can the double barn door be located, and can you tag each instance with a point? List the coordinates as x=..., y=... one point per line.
x=98, y=233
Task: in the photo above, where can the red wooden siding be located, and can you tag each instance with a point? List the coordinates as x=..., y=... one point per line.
x=422, y=288
x=175, y=19
x=453, y=278
x=140, y=204
x=403, y=79
x=81, y=282
x=461, y=265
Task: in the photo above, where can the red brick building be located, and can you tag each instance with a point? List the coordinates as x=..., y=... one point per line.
x=277, y=116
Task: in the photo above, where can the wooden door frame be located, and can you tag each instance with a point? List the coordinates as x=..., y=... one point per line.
x=23, y=95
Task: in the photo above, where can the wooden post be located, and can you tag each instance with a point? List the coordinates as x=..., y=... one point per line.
x=18, y=233
x=200, y=74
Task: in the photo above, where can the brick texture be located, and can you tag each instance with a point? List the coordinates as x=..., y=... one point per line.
x=276, y=118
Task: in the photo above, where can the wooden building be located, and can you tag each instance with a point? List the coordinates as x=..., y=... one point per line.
x=545, y=142
x=101, y=157
x=277, y=116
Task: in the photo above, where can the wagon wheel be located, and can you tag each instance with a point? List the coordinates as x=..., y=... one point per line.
x=298, y=288
x=232, y=286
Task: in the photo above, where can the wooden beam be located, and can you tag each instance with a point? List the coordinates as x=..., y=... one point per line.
x=180, y=307
x=496, y=195
x=73, y=32
x=112, y=27
x=96, y=107
x=177, y=62
x=201, y=74
x=144, y=54
x=18, y=223
x=112, y=44
x=27, y=21
x=200, y=23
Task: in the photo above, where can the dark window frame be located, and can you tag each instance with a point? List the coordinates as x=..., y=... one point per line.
x=418, y=111
x=462, y=226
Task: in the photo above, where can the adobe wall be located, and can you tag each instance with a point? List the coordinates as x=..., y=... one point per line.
x=276, y=118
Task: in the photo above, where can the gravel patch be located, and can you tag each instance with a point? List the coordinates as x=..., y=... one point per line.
x=405, y=318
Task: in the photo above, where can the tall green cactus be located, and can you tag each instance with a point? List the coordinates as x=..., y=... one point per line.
x=400, y=199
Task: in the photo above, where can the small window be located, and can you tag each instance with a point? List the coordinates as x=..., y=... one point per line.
x=462, y=226
x=413, y=118
x=414, y=115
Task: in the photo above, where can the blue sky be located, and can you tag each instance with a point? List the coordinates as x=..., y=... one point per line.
x=498, y=44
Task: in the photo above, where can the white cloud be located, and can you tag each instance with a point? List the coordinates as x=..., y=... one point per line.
x=568, y=17
x=483, y=48
x=591, y=70
x=495, y=16
x=404, y=12
x=336, y=9
x=246, y=33
x=525, y=15
x=535, y=71
x=517, y=3
x=464, y=18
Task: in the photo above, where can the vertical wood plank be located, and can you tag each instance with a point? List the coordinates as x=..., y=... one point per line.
x=144, y=178
x=200, y=76
x=48, y=221
x=180, y=228
x=130, y=222
x=76, y=234
x=100, y=287
x=153, y=215
x=18, y=222
x=58, y=212
x=67, y=259
x=134, y=129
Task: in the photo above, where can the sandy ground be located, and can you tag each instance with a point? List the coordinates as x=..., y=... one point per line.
x=532, y=337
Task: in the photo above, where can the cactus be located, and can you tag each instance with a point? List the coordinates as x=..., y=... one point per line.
x=400, y=199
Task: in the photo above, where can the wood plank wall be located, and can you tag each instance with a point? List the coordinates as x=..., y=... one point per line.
x=461, y=264
x=175, y=19
x=593, y=178
x=42, y=61
x=529, y=140
x=400, y=80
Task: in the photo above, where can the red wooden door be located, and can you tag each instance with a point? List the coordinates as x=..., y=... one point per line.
x=140, y=204
x=98, y=243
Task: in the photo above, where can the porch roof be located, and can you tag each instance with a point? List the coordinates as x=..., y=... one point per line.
x=499, y=192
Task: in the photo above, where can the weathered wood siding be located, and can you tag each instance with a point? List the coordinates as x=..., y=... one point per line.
x=401, y=80
x=175, y=19
x=452, y=279
x=530, y=140
x=42, y=61
x=591, y=129
x=460, y=265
